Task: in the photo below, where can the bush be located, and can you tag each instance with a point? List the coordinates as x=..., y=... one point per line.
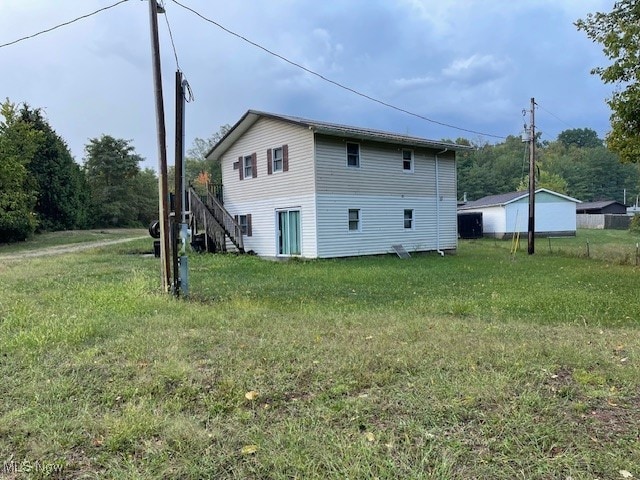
x=16, y=226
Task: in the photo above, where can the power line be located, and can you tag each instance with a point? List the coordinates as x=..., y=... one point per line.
x=337, y=84
x=62, y=24
x=173, y=45
x=553, y=115
x=187, y=92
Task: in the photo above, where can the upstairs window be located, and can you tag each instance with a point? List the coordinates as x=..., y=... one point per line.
x=247, y=166
x=278, y=159
x=408, y=219
x=353, y=154
x=354, y=220
x=407, y=160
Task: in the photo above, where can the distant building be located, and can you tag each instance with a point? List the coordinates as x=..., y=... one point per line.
x=605, y=214
x=508, y=213
x=602, y=207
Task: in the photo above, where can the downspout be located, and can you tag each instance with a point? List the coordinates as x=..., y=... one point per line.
x=438, y=202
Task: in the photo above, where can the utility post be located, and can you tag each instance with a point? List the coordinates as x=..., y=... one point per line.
x=532, y=180
x=165, y=260
x=180, y=227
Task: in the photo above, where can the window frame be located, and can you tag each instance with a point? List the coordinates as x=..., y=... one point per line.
x=358, y=220
x=411, y=160
x=244, y=225
x=274, y=160
x=247, y=166
x=244, y=222
x=358, y=154
x=411, y=219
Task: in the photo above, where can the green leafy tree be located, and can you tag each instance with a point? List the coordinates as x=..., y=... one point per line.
x=145, y=195
x=62, y=198
x=580, y=137
x=618, y=33
x=112, y=171
x=196, y=162
x=18, y=192
x=550, y=181
x=491, y=169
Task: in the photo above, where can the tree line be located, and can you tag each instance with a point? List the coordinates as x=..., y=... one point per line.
x=577, y=164
x=42, y=188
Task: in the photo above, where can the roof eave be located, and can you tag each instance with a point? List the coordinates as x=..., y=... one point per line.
x=387, y=138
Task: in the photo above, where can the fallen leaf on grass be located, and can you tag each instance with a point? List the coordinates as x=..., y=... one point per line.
x=370, y=437
x=251, y=395
x=249, y=449
x=625, y=473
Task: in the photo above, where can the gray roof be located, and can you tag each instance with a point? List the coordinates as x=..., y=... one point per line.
x=333, y=129
x=505, y=198
x=600, y=204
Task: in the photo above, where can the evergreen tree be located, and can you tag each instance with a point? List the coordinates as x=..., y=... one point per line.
x=62, y=193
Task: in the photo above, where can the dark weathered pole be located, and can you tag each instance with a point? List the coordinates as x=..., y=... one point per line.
x=162, y=148
x=178, y=196
x=532, y=180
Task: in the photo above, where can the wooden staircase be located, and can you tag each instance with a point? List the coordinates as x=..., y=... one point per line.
x=207, y=211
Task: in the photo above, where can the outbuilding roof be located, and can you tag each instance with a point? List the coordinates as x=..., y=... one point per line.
x=333, y=129
x=600, y=204
x=506, y=198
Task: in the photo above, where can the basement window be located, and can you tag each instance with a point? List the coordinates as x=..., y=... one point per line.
x=245, y=224
x=408, y=219
x=354, y=219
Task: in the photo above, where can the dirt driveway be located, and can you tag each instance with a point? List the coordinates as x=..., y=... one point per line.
x=60, y=249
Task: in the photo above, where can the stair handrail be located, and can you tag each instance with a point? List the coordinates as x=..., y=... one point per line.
x=224, y=218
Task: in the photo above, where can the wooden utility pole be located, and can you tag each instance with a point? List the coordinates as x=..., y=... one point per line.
x=165, y=260
x=177, y=213
x=532, y=180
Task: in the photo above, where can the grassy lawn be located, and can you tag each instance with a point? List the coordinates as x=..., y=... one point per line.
x=478, y=365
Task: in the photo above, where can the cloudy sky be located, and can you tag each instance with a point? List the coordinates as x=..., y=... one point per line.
x=474, y=64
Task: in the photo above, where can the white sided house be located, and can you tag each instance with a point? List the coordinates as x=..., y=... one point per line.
x=508, y=213
x=318, y=190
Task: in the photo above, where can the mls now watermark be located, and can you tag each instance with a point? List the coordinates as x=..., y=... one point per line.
x=27, y=466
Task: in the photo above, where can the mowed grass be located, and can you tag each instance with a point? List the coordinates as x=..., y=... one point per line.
x=478, y=365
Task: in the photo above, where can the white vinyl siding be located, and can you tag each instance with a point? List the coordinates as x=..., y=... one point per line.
x=264, y=239
x=382, y=227
x=262, y=136
x=380, y=171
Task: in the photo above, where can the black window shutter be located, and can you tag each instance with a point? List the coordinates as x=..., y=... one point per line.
x=285, y=158
x=254, y=165
x=249, y=230
x=269, y=159
x=241, y=169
